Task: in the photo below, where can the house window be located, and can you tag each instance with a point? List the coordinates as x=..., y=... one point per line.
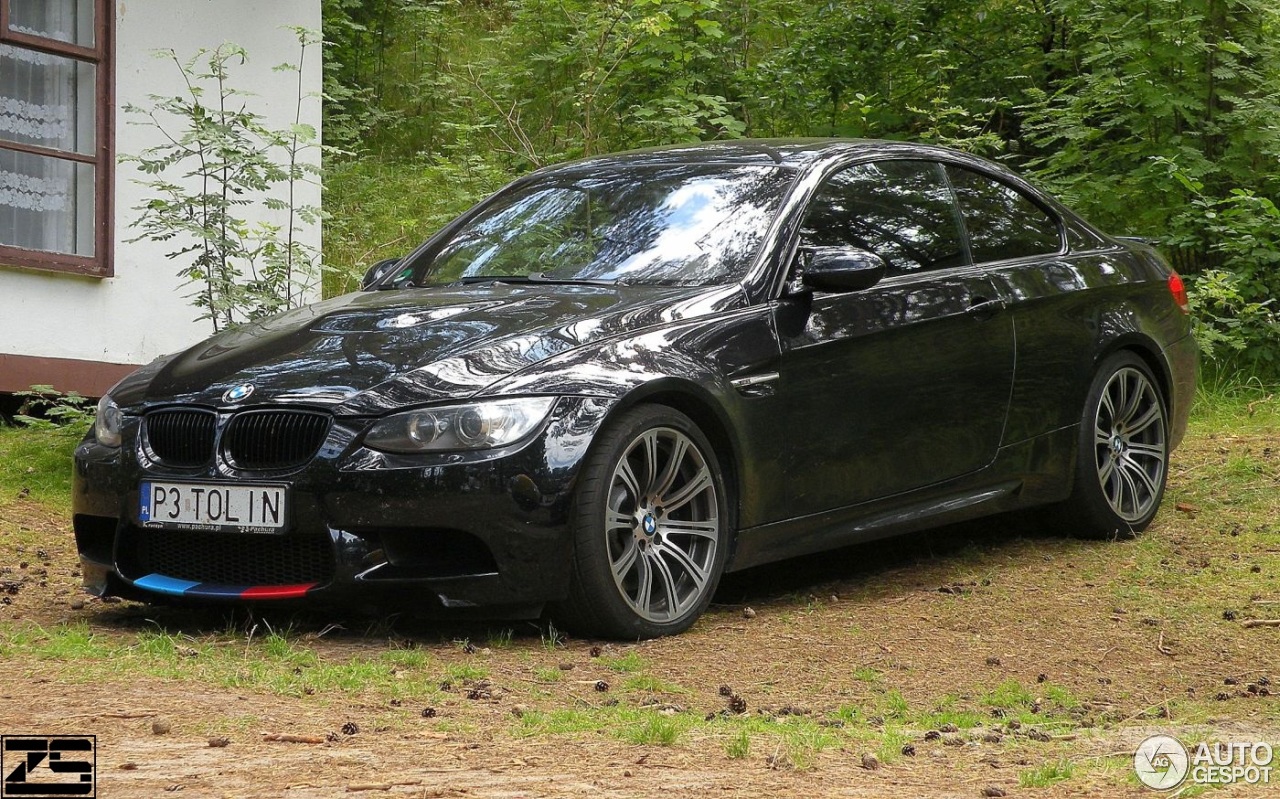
x=55, y=135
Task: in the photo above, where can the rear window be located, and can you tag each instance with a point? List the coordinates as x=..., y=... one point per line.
x=1002, y=222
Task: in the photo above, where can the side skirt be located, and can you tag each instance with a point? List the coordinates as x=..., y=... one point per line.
x=1033, y=472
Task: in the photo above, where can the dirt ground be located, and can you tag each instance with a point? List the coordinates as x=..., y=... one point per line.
x=1138, y=633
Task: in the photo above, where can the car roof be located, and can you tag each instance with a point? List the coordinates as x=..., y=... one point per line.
x=795, y=153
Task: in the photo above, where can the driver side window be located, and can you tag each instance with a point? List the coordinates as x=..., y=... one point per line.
x=900, y=210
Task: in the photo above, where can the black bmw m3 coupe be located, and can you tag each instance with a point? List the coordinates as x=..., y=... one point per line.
x=617, y=379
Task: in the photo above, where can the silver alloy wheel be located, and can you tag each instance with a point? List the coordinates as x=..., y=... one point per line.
x=1129, y=443
x=662, y=525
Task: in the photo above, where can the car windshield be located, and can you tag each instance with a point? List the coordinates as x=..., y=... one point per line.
x=675, y=225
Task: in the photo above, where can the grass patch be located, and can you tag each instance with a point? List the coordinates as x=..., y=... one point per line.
x=274, y=663
x=962, y=719
x=459, y=672
x=1047, y=775
x=501, y=639
x=805, y=741
x=626, y=664
x=567, y=721
x=650, y=684
x=794, y=740
x=38, y=462
x=639, y=726
x=64, y=642
x=1059, y=696
x=1009, y=695
x=894, y=706
x=891, y=743
x=655, y=730
x=552, y=639
x=409, y=658
x=738, y=746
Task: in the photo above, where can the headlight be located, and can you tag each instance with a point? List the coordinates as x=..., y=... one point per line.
x=106, y=425
x=477, y=425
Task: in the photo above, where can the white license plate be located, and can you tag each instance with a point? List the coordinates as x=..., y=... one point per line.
x=244, y=508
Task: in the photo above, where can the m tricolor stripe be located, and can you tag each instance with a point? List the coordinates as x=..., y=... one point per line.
x=175, y=587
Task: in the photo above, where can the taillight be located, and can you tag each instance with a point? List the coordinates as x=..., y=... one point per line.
x=1179, y=291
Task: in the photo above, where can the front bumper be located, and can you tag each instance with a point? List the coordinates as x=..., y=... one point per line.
x=449, y=531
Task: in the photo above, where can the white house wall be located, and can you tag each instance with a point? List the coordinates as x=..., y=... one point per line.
x=143, y=311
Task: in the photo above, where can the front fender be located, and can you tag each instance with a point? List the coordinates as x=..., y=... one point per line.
x=691, y=366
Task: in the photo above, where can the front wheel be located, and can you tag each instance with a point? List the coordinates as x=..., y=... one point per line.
x=1123, y=455
x=650, y=528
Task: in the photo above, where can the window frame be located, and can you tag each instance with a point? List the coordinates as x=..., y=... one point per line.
x=101, y=55
x=1053, y=216
x=922, y=164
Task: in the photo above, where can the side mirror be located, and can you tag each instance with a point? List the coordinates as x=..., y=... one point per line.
x=841, y=269
x=377, y=272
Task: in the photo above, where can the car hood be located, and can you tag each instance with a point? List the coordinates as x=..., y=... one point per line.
x=371, y=352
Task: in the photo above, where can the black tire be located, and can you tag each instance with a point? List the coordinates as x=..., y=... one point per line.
x=1122, y=452
x=635, y=522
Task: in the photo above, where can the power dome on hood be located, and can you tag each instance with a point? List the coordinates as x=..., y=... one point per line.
x=409, y=346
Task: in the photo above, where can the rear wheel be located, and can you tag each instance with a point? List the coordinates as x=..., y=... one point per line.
x=1123, y=452
x=650, y=528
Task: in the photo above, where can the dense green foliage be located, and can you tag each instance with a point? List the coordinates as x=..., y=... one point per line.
x=1150, y=117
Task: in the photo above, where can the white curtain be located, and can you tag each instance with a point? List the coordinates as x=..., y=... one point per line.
x=47, y=203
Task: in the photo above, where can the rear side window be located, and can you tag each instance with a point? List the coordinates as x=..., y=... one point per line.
x=900, y=210
x=1002, y=222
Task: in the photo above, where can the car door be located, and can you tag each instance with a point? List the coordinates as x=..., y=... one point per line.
x=905, y=384
x=1021, y=246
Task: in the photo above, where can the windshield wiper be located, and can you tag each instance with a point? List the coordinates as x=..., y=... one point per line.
x=534, y=277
